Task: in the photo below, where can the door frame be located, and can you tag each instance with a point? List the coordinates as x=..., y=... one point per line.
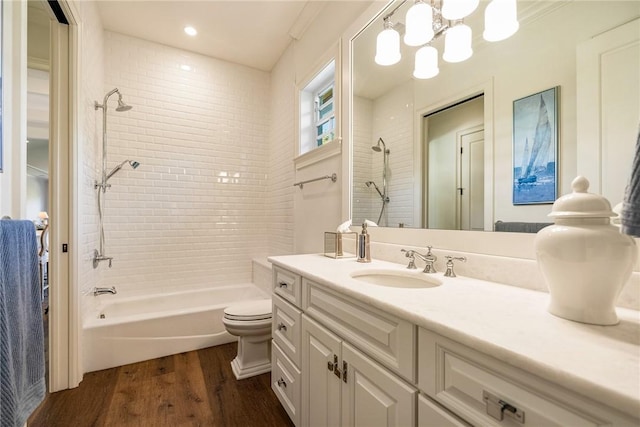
x=65, y=368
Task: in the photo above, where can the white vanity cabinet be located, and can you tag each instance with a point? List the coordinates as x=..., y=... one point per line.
x=340, y=384
x=342, y=357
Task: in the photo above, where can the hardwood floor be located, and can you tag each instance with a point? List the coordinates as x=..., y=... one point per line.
x=189, y=389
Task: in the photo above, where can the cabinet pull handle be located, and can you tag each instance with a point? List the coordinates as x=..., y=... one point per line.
x=282, y=383
x=282, y=327
x=344, y=371
x=282, y=285
x=333, y=365
x=336, y=370
x=498, y=408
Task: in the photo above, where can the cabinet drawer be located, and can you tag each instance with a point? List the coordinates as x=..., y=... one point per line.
x=287, y=285
x=462, y=379
x=388, y=339
x=285, y=382
x=286, y=328
x=431, y=414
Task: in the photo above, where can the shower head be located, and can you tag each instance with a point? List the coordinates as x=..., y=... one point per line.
x=132, y=163
x=121, y=105
x=378, y=149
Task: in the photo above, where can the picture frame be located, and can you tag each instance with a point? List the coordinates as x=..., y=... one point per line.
x=535, y=148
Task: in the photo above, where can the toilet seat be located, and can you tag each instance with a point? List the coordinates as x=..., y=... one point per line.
x=249, y=311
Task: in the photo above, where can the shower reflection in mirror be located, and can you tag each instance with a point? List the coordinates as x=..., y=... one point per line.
x=384, y=198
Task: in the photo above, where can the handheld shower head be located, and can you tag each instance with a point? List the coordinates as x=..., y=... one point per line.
x=132, y=163
x=370, y=183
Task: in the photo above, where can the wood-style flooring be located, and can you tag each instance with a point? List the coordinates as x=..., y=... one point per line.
x=196, y=388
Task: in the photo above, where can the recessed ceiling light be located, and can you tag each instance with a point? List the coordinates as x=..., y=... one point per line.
x=190, y=30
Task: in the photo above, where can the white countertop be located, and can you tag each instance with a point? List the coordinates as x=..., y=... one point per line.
x=509, y=323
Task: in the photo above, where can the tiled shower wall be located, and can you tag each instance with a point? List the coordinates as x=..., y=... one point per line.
x=91, y=82
x=195, y=211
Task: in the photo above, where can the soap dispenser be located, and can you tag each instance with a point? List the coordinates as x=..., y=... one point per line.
x=364, y=253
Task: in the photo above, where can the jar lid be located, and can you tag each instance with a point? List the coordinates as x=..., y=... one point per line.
x=581, y=204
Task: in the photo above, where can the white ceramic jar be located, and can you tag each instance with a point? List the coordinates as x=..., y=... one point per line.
x=584, y=259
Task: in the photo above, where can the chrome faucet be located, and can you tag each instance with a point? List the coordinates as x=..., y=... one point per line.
x=450, y=272
x=429, y=259
x=100, y=291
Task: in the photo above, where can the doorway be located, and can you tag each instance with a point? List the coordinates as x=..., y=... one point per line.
x=454, y=178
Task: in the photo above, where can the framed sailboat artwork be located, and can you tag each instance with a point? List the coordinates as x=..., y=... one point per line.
x=535, y=148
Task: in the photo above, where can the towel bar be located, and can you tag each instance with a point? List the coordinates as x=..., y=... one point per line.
x=333, y=177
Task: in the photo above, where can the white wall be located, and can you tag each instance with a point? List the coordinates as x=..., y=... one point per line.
x=317, y=207
x=194, y=212
x=13, y=179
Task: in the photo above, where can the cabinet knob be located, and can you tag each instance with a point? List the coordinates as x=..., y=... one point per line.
x=282, y=285
x=282, y=383
x=282, y=327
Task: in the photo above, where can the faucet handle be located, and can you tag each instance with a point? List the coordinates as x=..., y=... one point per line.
x=412, y=258
x=450, y=259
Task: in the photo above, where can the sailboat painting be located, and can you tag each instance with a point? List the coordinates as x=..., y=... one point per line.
x=535, y=148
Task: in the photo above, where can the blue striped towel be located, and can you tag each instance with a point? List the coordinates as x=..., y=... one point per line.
x=22, y=383
x=630, y=216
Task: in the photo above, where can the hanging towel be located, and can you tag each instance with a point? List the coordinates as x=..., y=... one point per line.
x=22, y=384
x=630, y=217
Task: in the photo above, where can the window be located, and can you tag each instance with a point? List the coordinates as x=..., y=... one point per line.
x=325, y=116
x=318, y=110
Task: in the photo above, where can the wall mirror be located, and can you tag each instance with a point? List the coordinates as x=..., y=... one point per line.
x=395, y=178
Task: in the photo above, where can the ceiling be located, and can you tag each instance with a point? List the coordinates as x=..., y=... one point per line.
x=254, y=33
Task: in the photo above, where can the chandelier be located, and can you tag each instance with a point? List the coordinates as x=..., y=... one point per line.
x=426, y=21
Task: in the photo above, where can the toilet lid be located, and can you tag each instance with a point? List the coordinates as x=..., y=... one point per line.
x=251, y=310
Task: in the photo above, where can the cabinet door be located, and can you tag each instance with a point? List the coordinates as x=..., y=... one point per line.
x=372, y=396
x=320, y=385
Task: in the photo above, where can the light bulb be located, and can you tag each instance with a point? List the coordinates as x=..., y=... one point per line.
x=419, y=24
x=388, y=47
x=458, y=9
x=457, y=44
x=426, y=63
x=500, y=20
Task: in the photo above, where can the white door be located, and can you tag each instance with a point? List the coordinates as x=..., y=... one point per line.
x=320, y=384
x=471, y=184
x=373, y=396
x=608, y=108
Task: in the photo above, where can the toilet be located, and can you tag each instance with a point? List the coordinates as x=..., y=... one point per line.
x=251, y=322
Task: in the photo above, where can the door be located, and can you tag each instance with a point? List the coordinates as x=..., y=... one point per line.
x=372, y=396
x=320, y=383
x=608, y=108
x=471, y=184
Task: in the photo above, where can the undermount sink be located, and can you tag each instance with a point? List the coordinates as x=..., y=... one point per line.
x=396, y=278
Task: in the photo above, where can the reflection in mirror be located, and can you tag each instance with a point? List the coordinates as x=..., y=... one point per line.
x=388, y=103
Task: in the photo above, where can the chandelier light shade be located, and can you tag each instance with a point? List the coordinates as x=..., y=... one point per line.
x=458, y=9
x=428, y=20
x=419, y=24
x=457, y=44
x=388, y=46
x=426, y=65
x=500, y=20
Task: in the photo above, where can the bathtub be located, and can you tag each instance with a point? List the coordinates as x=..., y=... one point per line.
x=126, y=329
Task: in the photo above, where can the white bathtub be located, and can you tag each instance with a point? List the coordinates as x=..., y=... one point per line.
x=130, y=329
